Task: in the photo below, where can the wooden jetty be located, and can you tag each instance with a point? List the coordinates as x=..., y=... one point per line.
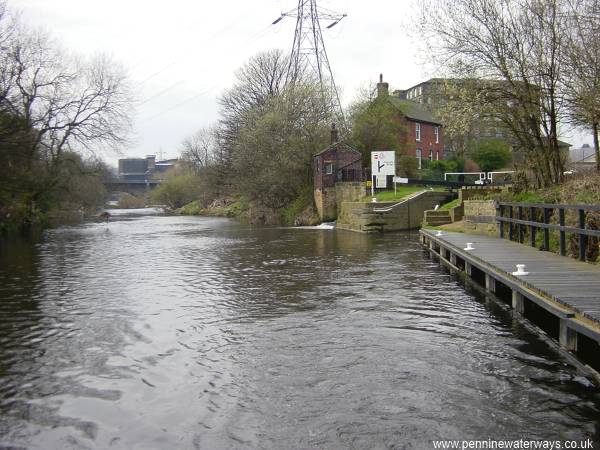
x=559, y=295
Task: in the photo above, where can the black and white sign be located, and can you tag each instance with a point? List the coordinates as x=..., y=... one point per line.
x=383, y=163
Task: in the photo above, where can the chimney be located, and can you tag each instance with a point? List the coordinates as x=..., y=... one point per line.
x=334, y=134
x=382, y=88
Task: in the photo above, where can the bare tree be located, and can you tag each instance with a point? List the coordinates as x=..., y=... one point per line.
x=53, y=104
x=67, y=103
x=261, y=78
x=515, y=47
x=199, y=149
x=273, y=156
x=582, y=59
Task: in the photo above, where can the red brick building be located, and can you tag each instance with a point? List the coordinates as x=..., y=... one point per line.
x=423, y=137
x=338, y=177
x=338, y=162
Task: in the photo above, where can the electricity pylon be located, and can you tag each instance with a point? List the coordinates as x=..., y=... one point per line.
x=308, y=51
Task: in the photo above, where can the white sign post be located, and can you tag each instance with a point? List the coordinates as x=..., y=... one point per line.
x=382, y=164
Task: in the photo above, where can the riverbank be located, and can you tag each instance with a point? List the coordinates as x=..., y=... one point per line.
x=299, y=213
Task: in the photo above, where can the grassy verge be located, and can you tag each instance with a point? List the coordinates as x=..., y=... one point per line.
x=450, y=205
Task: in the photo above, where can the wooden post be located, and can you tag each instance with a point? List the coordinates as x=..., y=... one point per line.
x=546, y=230
x=468, y=268
x=518, y=303
x=561, y=222
x=500, y=212
x=490, y=283
x=582, y=237
x=567, y=336
x=533, y=229
x=520, y=225
x=511, y=233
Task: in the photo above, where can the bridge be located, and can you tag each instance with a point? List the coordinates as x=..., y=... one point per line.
x=138, y=188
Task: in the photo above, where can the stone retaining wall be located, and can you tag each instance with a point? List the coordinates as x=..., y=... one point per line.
x=480, y=216
x=389, y=216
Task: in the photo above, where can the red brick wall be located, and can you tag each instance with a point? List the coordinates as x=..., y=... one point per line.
x=427, y=142
x=340, y=156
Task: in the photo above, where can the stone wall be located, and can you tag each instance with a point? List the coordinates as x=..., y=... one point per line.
x=348, y=192
x=480, y=216
x=328, y=200
x=468, y=193
x=388, y=216
x=325, y=203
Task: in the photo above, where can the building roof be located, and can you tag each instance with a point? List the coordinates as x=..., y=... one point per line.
x=582, y=154
x=413, y=111
x=563, y=143
x=342, y=145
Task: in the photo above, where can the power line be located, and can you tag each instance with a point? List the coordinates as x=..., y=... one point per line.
x=188, y=100
x=160, y=93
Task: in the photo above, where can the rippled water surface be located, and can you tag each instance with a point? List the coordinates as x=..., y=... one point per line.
x=159, y=332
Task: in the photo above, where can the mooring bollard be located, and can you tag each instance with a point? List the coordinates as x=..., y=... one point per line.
x=520, y=270
x=469, y=246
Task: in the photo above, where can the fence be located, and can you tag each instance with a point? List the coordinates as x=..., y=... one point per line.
x=505, y=217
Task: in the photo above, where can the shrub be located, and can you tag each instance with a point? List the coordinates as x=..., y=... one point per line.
x=128, y=201
x=177, y=191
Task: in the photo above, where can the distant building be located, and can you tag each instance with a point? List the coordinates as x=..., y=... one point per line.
x=141, y=170
x=434, y=94
x=582, y=158
x=424, y=134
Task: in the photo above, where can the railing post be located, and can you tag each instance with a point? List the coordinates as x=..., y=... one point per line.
x=533, y=228
x=511, y=232
x=500, y=213
x=520, y=225
x=582, y=237
x=561, y=222
x=546, y=230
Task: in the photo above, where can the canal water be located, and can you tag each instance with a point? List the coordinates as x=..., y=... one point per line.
x=156, y=332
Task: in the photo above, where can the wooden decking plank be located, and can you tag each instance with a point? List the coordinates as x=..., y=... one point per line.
x=573, y=283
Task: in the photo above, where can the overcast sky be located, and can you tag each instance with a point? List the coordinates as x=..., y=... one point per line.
x=182, y=54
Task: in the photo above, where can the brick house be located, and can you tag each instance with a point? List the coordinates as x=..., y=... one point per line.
x=338, y=162
x=423, y=136
x=338, y=175
x=435, y=94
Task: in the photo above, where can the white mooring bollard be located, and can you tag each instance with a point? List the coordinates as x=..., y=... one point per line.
x=469, y=246
x=520, y=270
x=439, y=233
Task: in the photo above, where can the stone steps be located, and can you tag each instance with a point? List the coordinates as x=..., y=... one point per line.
x=436, y=218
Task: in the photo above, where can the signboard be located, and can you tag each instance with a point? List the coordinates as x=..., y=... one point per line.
x=383, y=163
x=380, y=181
x=400, y=180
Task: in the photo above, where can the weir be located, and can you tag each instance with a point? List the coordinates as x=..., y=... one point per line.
x=558, y=295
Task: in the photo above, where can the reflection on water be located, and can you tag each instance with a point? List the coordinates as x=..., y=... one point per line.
x=157, y=332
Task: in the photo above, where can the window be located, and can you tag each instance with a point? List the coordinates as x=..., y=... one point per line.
x=430, y=154
x=437, y=155
x=328, y=168
x=437, y=134
x=418, y=131
x=420, y=158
